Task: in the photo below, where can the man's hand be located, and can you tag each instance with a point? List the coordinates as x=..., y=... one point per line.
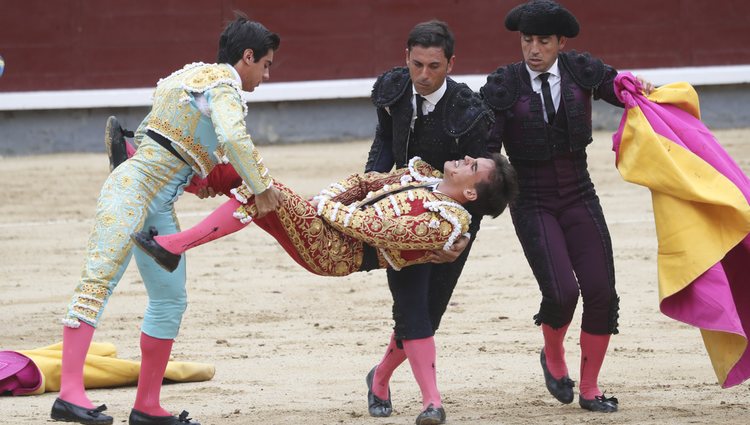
x=268, y=201
x=207, y=192
x=646, y=85
x=449, y=256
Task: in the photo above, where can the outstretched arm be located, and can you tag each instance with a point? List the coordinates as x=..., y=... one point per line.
x=227, y=114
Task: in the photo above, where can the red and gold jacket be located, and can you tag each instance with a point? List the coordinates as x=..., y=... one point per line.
x=400, y=213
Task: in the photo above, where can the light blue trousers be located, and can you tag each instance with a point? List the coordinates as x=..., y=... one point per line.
x=137, y=194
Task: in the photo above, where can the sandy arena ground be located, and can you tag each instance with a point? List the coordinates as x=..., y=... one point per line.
x=291, y=347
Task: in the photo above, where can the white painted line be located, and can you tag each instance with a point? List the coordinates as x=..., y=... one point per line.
x=326, y=89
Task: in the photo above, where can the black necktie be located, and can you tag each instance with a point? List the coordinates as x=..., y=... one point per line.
x=549, y=105
x=420, y=100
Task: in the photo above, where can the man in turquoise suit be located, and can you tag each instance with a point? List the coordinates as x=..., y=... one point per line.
x=197, y=121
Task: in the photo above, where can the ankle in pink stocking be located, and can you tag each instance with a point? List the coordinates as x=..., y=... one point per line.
x=76, y=342
x=392, y=359
x=593, y=351
x=154, y=357
x=129, y=149
x=554, y=350
x=219, y=223
x=421, y=355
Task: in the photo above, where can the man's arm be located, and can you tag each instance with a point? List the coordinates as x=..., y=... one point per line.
x=227, y=114
x=380, y=158
x=495, y=138
x=606, y=90
x=356, y=187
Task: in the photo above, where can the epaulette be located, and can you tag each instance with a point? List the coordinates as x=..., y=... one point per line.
x=587, y=71
x=502, y=88
x=208, y=77
x=465, y=110
x=390, y=86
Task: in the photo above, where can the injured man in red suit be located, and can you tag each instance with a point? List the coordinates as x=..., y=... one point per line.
x=366, y=221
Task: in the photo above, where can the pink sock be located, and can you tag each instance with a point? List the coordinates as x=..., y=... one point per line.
x=421, y=355
x=76, y=342
x=593, y=350
x=554, y=350
x=219, y=223
x=154, y=357
x=129, y=149
x=392, y=359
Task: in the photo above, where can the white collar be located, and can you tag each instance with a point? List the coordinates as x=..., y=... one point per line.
x=435, y=96
x=554, y=70
x=236, y=74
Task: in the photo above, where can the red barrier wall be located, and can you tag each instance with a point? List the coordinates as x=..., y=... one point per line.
x=87, y=44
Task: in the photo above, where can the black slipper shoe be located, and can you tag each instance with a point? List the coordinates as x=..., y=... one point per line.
x=377, y=407
x=69, y=412
x=561, y=388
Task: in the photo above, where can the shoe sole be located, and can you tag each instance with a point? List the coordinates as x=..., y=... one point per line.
x=64, y=419
x=114, y=139
x=108, y=137
x=147, y=252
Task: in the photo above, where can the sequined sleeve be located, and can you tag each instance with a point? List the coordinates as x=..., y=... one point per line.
x=428, y=230
x=356, y=187
x=228, y=118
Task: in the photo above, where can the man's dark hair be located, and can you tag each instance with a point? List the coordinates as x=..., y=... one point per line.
x=495, y=193
x=242, y=34
x=432, y=34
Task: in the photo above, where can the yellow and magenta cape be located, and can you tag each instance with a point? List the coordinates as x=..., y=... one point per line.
x=702, y=216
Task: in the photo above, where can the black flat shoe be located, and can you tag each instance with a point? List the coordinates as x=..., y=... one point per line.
x=114, y=142
x=561, y=388
x=431, y=416
x=146, y=242
x=600, y=403
x=69, y=412
x=377, y=407
x=140, y=418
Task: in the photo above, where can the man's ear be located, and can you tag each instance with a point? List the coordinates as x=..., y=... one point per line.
x=248, y=56
x=470, y=194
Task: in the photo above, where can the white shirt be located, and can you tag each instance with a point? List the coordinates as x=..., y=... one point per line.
x=554, y=84
x=428, y=105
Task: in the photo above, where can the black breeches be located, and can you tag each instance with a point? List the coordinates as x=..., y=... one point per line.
x=421, y=294
x=561, y=227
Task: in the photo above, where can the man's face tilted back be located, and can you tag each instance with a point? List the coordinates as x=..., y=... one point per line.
x=464, y=174
x=540, y=51
x=428, y=68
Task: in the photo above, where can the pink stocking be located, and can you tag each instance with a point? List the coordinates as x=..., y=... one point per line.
x=593, y=350
x=76, y=342
x=554, y=350
x=219, y=223
x=129, y=149
x=421, y=355
x=154, y=357
x=392, y=359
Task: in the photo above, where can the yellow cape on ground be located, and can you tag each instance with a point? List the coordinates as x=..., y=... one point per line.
x=103, y=369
